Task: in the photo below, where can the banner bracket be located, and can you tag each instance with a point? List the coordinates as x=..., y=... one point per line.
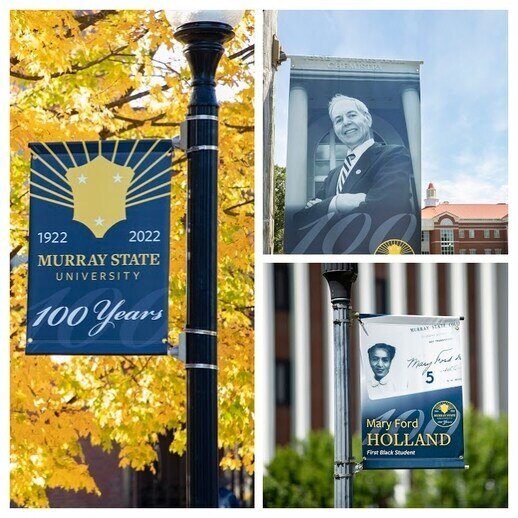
x=345, y=475
x=178, y=351
x=345, y=462
x=356, y=468
x=351, y=317
x=355, y=315
x=180, y=141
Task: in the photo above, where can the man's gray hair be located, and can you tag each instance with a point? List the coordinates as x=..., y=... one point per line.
x=339, y=98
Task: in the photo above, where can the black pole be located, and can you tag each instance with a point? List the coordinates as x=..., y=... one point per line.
x=204, y=48
x=340, y=277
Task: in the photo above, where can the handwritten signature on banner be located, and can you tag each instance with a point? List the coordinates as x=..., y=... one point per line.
x=444, y=359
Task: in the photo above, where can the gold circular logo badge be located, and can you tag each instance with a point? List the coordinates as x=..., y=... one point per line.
x=394, y=247
x=444, y=413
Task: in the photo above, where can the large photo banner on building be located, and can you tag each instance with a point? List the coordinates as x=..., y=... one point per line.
x=353, y=163
x=411, y=387
x=99, y=247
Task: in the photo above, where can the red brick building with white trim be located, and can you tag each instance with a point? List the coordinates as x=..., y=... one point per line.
x=463, y=228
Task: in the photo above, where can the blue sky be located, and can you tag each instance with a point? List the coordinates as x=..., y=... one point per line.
x=463, y=85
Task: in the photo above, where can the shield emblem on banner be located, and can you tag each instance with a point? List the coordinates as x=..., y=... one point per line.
x=99, y=189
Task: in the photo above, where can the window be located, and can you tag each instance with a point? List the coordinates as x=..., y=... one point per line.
x=328, y=155
x=446, y=222
x=282, y=382
x=496, y=233
x=486, y=233
x=462, y=251
x=471, y=233
x=380, y=290
x=461, y=233
x=446, y=241
x=487, y=251
x=425, y=236
x=498, y=251
x=282, y=287
x=472, y=251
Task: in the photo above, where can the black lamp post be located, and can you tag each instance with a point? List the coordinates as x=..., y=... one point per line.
x=340, y=277
x=203, y=33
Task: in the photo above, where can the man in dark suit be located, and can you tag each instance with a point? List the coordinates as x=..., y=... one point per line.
x=374, y=179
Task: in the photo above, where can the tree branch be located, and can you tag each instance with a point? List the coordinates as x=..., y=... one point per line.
x=14, y=252
x=75, y=68
x=128, y=98
x=242, y=204
x=88, y=20
x=246, y=52
x=140, y=121
x=240, y=129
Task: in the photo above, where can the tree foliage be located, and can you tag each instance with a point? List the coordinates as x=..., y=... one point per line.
x=279, y=195
x=484, y=484
x=89, y=75
x=302, y=476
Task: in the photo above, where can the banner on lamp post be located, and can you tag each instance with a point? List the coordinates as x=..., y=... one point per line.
x=411, y=388
x=99, y=247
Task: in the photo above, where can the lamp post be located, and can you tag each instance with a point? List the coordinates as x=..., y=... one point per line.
x=203, y=34
x=340, y=278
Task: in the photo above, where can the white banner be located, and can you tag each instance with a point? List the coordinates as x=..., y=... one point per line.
x=411, y=392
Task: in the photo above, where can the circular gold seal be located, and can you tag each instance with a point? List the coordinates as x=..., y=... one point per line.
x=394, y=247
x=444, y=413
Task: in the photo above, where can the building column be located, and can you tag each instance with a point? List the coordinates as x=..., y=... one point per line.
x=488, y=338
x=366, y=288
x=297, y=155
x=267, y=358
x=397, y=288
x=427, y=302
x=412, y=111
x=457, y=299
x=299, y=332
x=503, y=335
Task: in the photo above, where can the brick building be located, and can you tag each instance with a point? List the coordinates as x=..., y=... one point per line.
x=126, y=487
x=462, y=228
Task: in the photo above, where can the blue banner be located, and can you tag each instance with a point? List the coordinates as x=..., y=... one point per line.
x=99, y=247
x=412, y=413
x=353, y=164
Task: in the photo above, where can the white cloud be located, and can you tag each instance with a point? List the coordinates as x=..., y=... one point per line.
x=464, y=188
x=467, y=177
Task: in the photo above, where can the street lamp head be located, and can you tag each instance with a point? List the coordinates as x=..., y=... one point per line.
x=340, y=277
x=203, y=26
x=203, y=33
x=179, y=18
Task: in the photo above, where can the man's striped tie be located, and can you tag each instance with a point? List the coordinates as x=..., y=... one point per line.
x=344, y=172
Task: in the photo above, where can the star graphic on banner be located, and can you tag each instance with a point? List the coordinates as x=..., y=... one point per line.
x=117, y=178
x=82, y=178
x=99, y=221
